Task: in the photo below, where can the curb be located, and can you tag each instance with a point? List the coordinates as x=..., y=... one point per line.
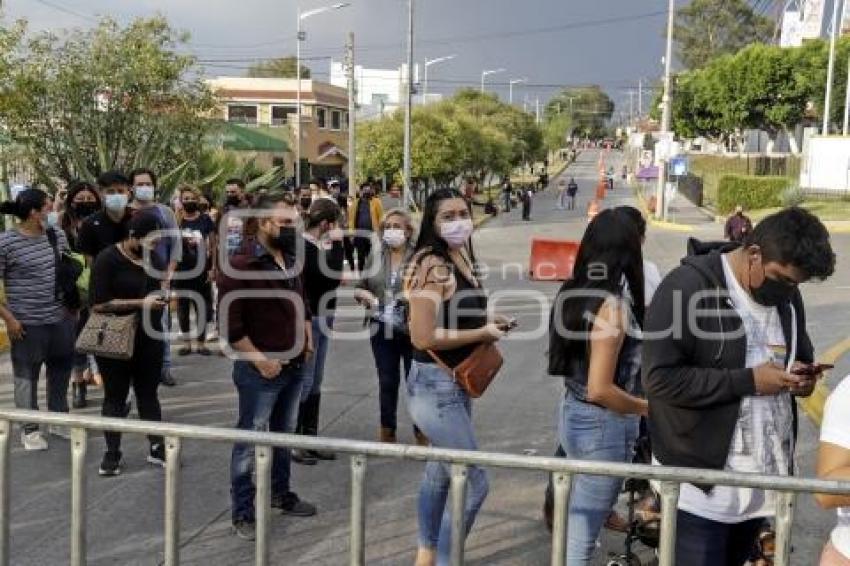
x=813, y=405
x=662, y=224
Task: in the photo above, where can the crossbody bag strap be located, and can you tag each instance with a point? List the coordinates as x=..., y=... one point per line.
x=54, y=244
x=441, y=363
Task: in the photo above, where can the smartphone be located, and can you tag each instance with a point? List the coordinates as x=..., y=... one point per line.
x=813, y=369
x=512, y=323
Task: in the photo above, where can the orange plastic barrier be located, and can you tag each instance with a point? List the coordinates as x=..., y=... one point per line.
x=552, y=260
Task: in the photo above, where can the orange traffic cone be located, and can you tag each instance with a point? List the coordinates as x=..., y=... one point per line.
x=592, y=209
x=600, y=189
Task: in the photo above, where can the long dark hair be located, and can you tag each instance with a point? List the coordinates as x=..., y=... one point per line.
x=430, y=242
x=610, y=252
x=69, y=219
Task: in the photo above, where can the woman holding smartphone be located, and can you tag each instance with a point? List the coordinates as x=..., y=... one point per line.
x=594, y=346
x=448, y=320
x=120, y=284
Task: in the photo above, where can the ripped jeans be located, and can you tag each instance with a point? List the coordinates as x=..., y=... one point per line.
x=443, y=411
x=264, y=405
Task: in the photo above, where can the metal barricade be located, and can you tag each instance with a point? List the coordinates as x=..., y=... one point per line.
x=561, y=470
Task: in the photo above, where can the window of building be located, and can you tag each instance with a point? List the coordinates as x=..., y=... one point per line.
x=277, y=162
x=345, y=121
x=322, y=118
x=336, y=120
x=281, y=115
x=242, y=113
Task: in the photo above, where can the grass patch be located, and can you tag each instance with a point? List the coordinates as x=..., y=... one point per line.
x=826, y=210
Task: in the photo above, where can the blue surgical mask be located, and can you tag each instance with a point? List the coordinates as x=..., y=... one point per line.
x=116, y=202
x=143, y=193
x=52, y=219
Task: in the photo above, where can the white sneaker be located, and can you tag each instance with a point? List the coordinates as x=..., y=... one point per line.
x=59, y=431
x=33, y=440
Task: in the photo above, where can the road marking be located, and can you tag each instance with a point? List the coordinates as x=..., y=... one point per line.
x=813, y=405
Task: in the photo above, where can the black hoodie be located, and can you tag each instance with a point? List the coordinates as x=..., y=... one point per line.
x=694, y=384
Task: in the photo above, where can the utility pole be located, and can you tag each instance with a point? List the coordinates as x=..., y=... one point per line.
x=408, y=109
x=846, y=129
x=836, y=24
x=352, y=110
x=640, y=99
x=660, y=197
x=631, y=106
x=537, y=110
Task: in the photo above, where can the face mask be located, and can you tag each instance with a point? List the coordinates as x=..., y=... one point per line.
x=285, y=240
x=394, y=237
x=367, y=196
x=84, y=209
x=143, y=193
x=306, y=202
x=191, y=207
x=115, y=202
x=773, y=293
x=232, y=200
x=457, y=232
x=51, y=220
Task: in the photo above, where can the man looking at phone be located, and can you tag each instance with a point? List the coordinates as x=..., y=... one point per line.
x=721, y=376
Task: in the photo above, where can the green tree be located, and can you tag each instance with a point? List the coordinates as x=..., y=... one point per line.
x=104, y=98
x=281, y=68
x=583, y=111
x=707, y=29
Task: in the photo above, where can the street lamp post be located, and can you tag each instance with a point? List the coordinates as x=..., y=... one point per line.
x=428, y=63
x=301, y=36
x=511, y=88
x=491, y=72
x=830, y=73
x=408, y=113
x=660, y=197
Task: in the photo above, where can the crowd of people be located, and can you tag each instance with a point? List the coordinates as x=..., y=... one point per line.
x=715, y=390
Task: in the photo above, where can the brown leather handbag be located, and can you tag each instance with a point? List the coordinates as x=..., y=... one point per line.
x=477, y=371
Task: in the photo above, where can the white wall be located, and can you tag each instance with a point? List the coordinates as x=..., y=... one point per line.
x=826, y=164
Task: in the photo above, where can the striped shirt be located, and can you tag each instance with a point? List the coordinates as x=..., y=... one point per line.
x=28, y=271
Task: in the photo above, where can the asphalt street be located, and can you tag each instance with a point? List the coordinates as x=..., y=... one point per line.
x=517, y=415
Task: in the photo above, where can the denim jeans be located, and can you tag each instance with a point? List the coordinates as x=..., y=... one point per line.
x=590, y=432
x=264, y=405
x=44, y=344
x=443, y=411
x=313, y=369
x=392, y=353
x=702, y=542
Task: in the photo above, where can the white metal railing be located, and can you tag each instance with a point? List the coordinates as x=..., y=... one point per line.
x=561, y=469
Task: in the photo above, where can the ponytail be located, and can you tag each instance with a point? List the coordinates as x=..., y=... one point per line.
x=10, y=207
x=26, y=201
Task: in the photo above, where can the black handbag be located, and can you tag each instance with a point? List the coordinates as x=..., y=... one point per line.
x=68, y=270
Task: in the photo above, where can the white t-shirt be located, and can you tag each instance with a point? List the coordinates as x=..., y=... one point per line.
x=835, y=429
x=651, y=280
x=763, y=437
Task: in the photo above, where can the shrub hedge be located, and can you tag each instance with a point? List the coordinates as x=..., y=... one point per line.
x=750, y=192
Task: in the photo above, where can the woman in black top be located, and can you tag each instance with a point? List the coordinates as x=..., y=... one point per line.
x=120, y=284
x=82, y=201
x=194, y=272
x=448, y=320
x=323, y=263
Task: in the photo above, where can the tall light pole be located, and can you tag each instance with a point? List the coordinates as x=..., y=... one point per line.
x=428, y=63
x=665, y=115
x=511, y=88
x=484, y=75
x=408, y=109
x=836, y=25
x=301, y=36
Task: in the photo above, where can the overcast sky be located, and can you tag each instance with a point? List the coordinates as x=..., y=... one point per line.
x=551, y=42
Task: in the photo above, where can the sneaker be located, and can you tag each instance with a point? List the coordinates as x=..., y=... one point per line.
x=33, y=440
x=167, y=379
x=59, y=431
x=303, y=457
x=245, y=530
x=110, y=465
x=156, y=455
x=290, y=504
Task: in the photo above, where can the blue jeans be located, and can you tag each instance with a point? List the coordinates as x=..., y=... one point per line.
x=702, y=542
x=443, y=411
x=392, y=351
x=590, y=432
x=264, y=405
x=313, y=369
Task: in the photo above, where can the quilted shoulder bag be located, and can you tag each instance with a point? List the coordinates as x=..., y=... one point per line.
x=109, y=335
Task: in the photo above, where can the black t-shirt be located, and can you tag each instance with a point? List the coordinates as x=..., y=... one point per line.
x=193, y=231
x=114, y=276
x=98, y=232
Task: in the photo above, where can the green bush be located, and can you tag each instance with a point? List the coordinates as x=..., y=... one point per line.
x=714, y=167
x=750, y=192
x=793, y=196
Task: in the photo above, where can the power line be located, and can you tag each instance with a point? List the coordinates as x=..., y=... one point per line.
x=66, y=10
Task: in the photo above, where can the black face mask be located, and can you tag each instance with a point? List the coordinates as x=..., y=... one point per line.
x=773, y=293
x=285, y=241
x=84, y=209
x=306, y=202
x=231, y=200
x=191, y=207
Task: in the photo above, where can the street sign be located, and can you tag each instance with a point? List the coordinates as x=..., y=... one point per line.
x=679, y=166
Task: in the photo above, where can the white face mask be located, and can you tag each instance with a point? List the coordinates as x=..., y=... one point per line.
x=395, y=237
x=52, y=219
x=115, y=202
x=457, y=232
x=143, y=193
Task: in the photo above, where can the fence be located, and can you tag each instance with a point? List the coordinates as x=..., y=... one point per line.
x=561, y=470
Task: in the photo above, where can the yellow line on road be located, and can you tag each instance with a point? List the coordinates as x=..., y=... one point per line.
x=813, y=405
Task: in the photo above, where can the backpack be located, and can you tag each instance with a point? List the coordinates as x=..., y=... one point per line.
x=68, y=271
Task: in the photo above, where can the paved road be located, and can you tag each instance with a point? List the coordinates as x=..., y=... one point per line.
x=516, y=416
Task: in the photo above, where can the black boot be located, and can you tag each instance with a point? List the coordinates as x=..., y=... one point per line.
x=79, y=392
x=311, y=425
x=303, y=457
